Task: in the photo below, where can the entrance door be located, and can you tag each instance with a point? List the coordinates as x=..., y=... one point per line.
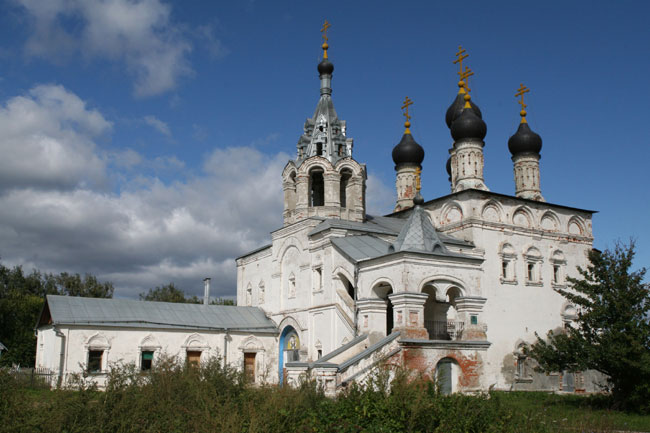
x=194, y=357
x=568, y=382
x=445, y=376
x=249, y=366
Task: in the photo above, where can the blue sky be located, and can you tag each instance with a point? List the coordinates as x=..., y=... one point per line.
x=143, y=140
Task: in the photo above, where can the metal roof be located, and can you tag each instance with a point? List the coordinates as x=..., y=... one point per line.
x=69, y=310
x=361, y=247
x=367, y=227
x=418, y=234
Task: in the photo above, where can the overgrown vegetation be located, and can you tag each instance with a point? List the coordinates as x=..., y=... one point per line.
x=612, y=331
x=176, y=398
x=171, y=293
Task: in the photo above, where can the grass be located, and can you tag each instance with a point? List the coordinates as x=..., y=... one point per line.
x=574, y=412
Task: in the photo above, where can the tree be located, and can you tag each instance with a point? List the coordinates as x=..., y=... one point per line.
x=166, y=293
x=21, y=301
x=612, y=331
x=170, y=293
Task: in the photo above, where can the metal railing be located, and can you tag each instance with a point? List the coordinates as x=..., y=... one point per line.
x=444, y=329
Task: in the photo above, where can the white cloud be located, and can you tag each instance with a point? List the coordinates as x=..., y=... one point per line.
x=47, y=140
x=158, y=125
x=380, y=199
x=139, y=33
x=147, y=234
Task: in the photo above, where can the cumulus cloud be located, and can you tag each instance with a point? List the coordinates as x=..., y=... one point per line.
x=148, y=232
x=139, y=33
x=47, y=140
x=158, y=125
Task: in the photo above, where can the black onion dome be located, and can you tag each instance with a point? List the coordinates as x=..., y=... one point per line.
x=468, y=125
x=456, y=108
x=408, y=151
x=524, y=141
x=325, y=67
x=448, y=166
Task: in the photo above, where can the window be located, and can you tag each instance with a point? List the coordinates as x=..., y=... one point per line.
x=474, y=319
x=318, y=279
x=319, y=353
x=292, y=286
x=146, y=360
x=249, y=366
x=531, y=272
x=317, y=188
x=95, y=361
x=556, y=274
x=533, y=260
x=508, y=257
x=559, y=263
x=345, y=181
x=193, y=358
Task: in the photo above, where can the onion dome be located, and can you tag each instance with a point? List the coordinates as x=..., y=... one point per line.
x=325, y=67
x=456, y=108
x=524, y=141
x=468, y=125
x=408, y=151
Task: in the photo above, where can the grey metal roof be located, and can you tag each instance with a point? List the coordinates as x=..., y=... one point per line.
x=361, y=247
x=71, y=310
x=418, y=234
x=369, y=226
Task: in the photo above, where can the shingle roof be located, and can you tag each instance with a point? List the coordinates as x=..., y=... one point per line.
x=70, y=310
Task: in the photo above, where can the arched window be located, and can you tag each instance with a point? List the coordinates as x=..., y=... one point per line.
x=316, y=187
x=346, y=174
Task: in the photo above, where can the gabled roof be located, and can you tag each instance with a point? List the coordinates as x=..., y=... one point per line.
x=69, y=310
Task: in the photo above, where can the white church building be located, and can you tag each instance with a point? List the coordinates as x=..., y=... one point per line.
x=452, y=287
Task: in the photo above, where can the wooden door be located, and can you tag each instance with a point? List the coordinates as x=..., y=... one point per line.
x=194, y=357
x=249, y=366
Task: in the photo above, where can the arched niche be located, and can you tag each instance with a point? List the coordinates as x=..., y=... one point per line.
x=522, y=217
x=440, y=313
x=451, y=213
x=492, y=211
x=550, y=221
x=446, y=374
x=576, y=226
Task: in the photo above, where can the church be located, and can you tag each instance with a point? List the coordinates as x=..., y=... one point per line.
x=453, y=288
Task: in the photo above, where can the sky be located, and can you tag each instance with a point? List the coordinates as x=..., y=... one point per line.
x=143, y=141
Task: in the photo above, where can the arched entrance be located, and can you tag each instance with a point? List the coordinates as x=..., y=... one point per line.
x=440, y=318
x=447, y=376
x=289, y=349
x=382, y=290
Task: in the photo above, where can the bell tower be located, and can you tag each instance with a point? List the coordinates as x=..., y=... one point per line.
x=324, y=180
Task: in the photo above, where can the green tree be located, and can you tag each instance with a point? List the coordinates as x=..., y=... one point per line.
x=167, y=293
x=21, y=301
x=171, y=293
x=612, y=331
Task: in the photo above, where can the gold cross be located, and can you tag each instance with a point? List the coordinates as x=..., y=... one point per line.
x=405, y=106
x=324, y=30
x=418, y=172
x=520, y=92
x=465, y=75
x=460, y=56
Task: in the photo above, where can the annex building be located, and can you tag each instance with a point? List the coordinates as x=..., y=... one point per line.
x=453, y=287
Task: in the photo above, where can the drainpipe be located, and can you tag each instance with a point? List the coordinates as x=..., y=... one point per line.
x=225, y=348
x=356, y=296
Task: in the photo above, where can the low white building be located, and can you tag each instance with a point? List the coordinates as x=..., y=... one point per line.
x=452, y=287
x=89, y=335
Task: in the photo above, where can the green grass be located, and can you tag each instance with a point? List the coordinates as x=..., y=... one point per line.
x=574, y=412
